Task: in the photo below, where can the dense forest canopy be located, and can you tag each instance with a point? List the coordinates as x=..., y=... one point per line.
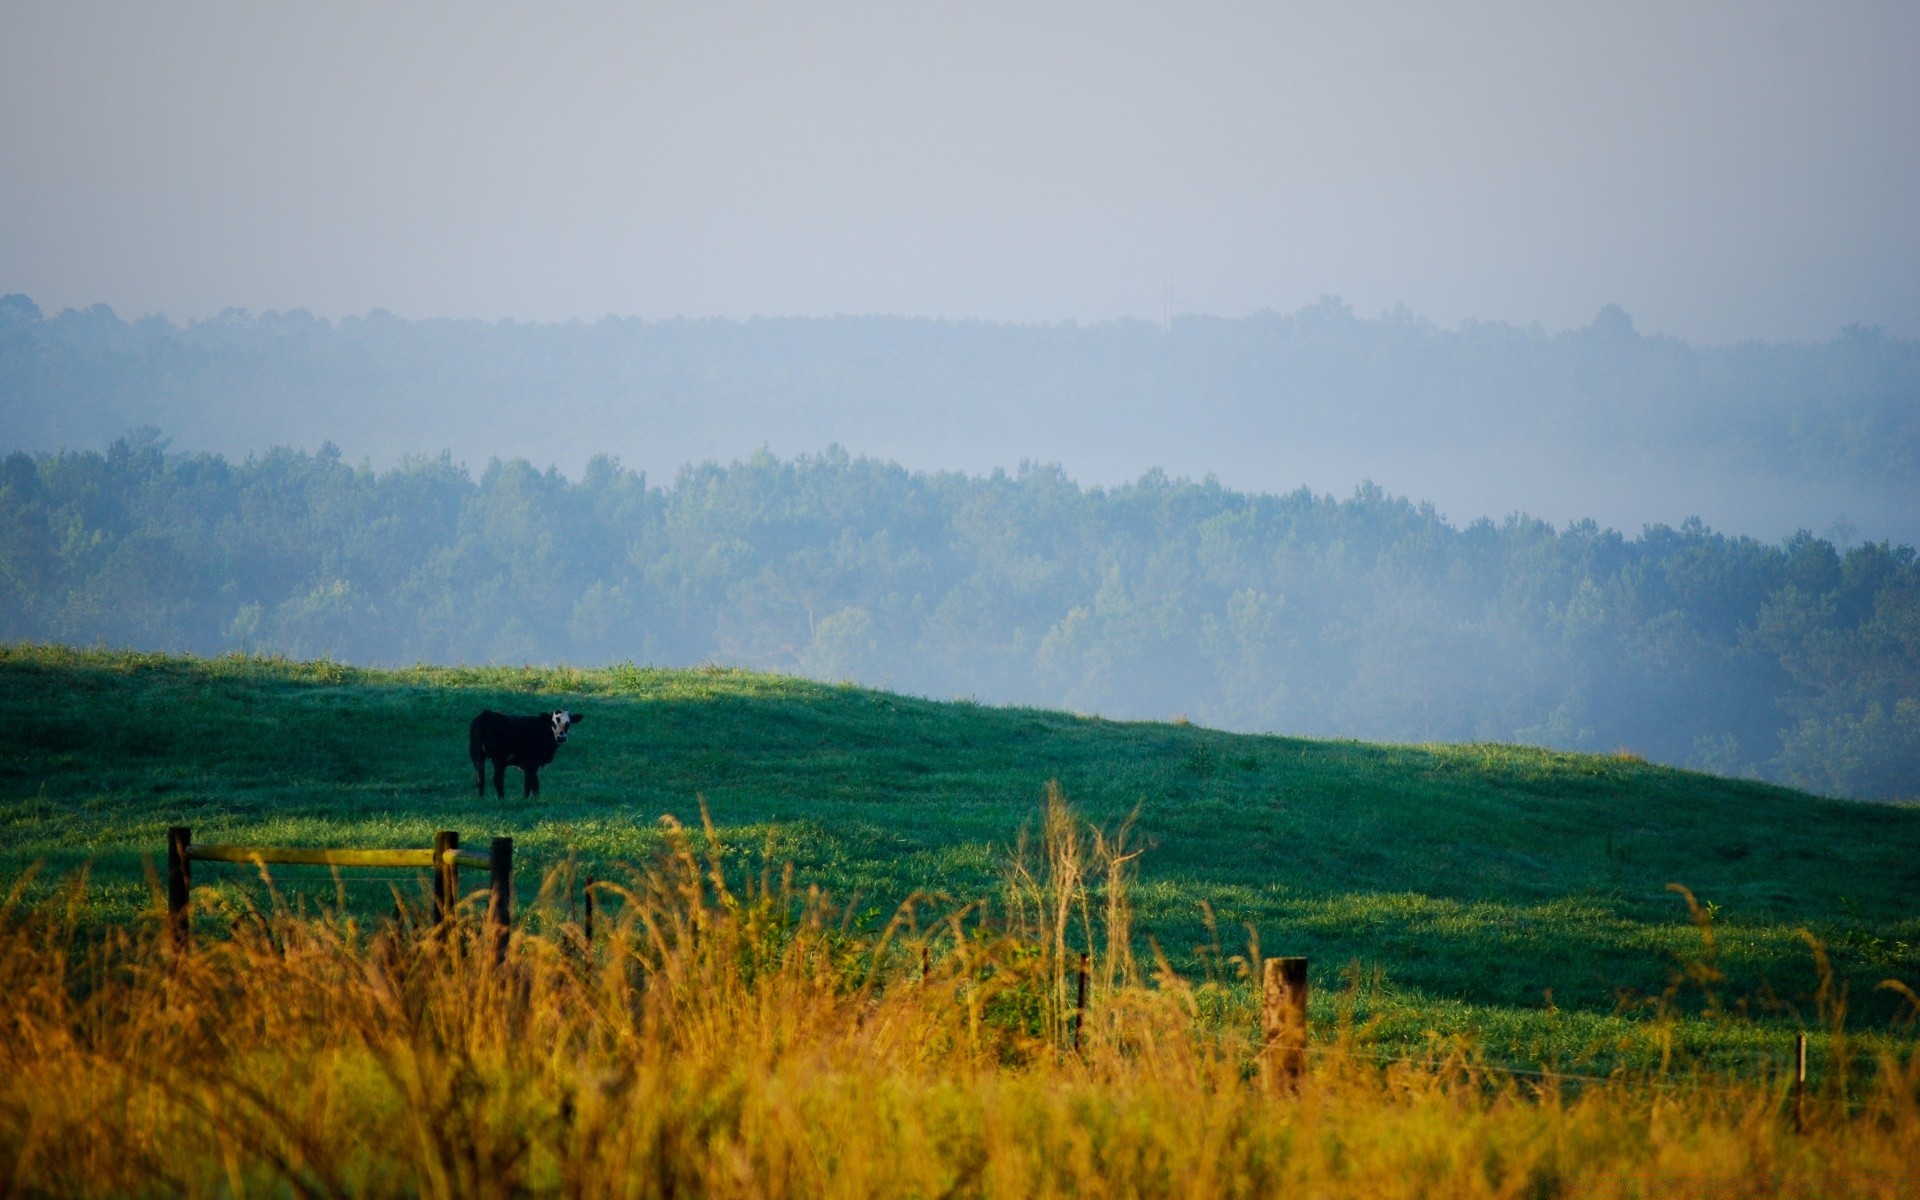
x=1486, y=419
x=1370, y=616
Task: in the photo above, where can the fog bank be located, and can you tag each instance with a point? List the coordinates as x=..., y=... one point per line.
x=1484, y=419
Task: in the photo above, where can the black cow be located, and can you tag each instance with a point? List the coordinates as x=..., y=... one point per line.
x=524, y=742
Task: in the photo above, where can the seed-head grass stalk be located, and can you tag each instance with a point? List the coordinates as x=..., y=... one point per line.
x=1050, y=898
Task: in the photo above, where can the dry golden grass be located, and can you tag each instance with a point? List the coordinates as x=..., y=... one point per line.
x=733, y=1038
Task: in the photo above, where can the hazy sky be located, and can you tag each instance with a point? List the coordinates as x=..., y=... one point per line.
x=1722, y=170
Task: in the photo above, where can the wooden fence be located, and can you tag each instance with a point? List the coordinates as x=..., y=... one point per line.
x=445, y=860
x=1283, y=981
x=1283, y=1007
x=1283, y=1022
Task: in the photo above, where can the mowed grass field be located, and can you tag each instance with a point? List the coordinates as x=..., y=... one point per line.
x=1513, y=900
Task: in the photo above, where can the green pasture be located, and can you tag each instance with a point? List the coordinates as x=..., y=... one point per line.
x=1511, y=897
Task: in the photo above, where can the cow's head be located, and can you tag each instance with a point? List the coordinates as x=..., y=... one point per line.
x=562, y=719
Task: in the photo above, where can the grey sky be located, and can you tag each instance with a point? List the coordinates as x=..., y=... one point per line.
x=1722, y=170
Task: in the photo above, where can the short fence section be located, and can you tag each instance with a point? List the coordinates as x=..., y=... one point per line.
x=445, y=860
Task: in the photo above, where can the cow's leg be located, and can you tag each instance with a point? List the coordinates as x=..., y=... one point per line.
x=500, y=778
x=533, y=781
x=480, y=775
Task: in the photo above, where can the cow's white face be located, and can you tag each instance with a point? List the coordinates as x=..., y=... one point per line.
x=561, y=720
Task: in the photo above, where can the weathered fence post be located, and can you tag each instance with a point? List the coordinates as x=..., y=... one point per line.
x=500, y=894
x=446, y=875
x=587, y=927
x=1799, y=1082
x=1080, y=1004
x=1283, y=1021
x=179, y=885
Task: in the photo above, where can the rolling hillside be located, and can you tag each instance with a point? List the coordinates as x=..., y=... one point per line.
x=1514, y=896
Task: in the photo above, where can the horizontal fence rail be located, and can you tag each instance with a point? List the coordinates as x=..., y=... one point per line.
x=318, y=857
x=445, y=861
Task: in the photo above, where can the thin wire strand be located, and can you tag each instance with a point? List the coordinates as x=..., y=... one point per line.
x=1557, y=1076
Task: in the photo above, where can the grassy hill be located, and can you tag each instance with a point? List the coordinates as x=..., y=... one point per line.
x=1512, y=896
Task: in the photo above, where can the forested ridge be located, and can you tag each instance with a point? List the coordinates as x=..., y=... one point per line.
x=1370, y=616
x=1487, y=418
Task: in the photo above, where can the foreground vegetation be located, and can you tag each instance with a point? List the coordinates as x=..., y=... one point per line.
x=1510, y=899
x=728, y=1040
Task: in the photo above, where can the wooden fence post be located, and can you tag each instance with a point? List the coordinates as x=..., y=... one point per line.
x=1283, y=1021
x=179, y=885
x=1080, y=1005
x=446, y=876
x=1799, y=1082
x=500, y=894
x=587, y=927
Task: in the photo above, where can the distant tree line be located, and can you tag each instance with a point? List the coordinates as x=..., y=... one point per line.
x=1602, y=420
x=1369, y=617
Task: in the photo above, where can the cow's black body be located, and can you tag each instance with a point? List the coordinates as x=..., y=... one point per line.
x=525, y=742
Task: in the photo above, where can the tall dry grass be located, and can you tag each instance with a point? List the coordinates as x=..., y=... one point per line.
x=731, y=1036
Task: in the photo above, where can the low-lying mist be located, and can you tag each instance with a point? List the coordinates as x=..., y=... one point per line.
x=1482, y=420
x=1795, y=659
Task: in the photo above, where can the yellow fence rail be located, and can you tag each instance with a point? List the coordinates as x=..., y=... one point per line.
x=445, y=860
